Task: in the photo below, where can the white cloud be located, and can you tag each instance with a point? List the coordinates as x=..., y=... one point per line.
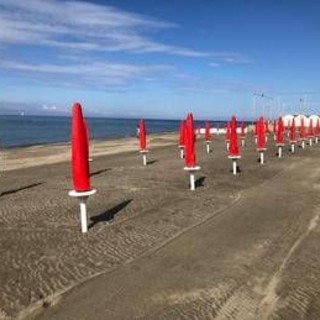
x=100, y=73
x=82, y=26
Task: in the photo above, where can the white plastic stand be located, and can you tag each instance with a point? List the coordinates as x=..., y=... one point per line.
x=293, y=144
x=228, y=144
x=255, y=139
x=191, y=171
x=144, y=156
x=82, y=198
x=310, y=141
x=280, y=146
x=243, y=142
x=181, y=152
x=234, y=163
x=266, y=138
x=317, y=139
x=303, y=143
x=261, y=152
x=208, y=146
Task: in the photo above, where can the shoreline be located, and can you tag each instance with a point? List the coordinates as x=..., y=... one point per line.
x=36, y=155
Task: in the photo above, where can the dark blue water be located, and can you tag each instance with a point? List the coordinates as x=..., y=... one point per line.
x=32, y=130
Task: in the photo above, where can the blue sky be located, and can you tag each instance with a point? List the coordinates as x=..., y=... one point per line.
x=160, y=59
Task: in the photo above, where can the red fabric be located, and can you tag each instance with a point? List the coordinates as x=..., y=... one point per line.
x=256, y=128
x=207, y=133
x=302, y=130
x=243, y=134
x=310, y=131
x=228, y=131
x=280, y=131
x=79, y=150
x=267, y=127
x=261, y=134
x=190, y=156
x=182, y=133
x=142, y=135
x=233, y=147
x=318, y=128
x=292, y=136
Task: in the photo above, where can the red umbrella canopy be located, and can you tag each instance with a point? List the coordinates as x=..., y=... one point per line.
x=302, y=130
x=292, y=136
x=233, y=148
x=182, y=133
x=280, y=131
x=142, y=135
x=310, y=131
x=228, y=131
x=261, y=134
x=318, y=128
x=207, y=133
x=79, y=150
x=242, y=129
x=190, y=156
x=267, y=127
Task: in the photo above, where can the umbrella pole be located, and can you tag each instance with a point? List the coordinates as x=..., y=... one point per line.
x=181, y=152
x=261, y=157
x=83, y=198
x=208, y=146
x=243, y=142
x=234, y=166
x=280, y=151
x=292, y=147
x=310, y=142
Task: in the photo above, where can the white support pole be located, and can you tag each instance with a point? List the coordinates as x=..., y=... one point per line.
x=303, y=144
x=228, y=144
x=317, y=140
x=292, y=147
x=243, y=142
x=310, y=142
x=234, y=166
x=256, y=140
x=83, y=214
x=82, y=197
x=208, y=147
x=181, y=153
x=280, y=152
x=144, y=159
x=266, y=138
x=261, y=157
x=192, y=181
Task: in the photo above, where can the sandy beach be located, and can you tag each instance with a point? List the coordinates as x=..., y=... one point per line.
x=244, y=247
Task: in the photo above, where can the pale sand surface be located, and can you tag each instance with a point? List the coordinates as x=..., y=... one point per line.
x=244, y=247
x=16, y=158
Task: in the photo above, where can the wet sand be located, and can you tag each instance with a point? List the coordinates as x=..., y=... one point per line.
x=244, y=247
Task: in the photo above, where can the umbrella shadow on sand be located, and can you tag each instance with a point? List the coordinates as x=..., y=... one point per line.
x=33, y=185
x=152, y=162
x=109, y=214
x=199, y=182
x=96, y=173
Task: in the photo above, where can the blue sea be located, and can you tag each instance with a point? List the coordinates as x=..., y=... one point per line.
x=16, y=131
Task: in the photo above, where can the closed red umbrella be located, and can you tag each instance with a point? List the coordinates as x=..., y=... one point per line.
x=302, y=130
x=261, y=134
x=80, y=152
x=207, y=131
x=243, y=134
x=310, y=131
x=142, y=136
x=233, y=148
x=190, y=156
x=280, y=131
x=228, y=131
x=182, y=133
x=292, y=135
